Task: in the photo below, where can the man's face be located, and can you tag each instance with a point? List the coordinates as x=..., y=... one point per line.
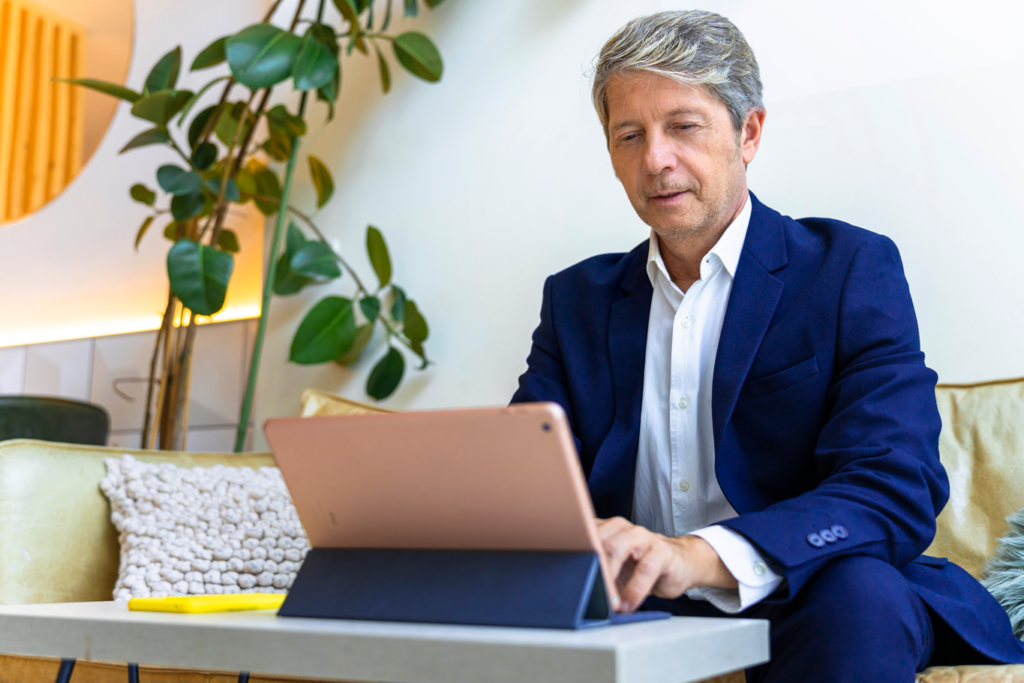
x=676, y=153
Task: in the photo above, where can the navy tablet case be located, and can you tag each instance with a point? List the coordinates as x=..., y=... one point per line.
x=535, y=589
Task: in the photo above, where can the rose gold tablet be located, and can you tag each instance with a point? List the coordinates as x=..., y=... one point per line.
x=475, y=479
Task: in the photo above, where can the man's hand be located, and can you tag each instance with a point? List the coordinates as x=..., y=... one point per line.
x=645, y=563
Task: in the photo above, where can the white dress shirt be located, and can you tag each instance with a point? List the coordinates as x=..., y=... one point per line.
x=676, y=491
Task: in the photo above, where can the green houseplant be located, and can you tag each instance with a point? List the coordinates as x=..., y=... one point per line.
x=228, y=157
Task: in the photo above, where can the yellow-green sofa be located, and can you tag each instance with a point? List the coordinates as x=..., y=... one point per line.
x=57, y=543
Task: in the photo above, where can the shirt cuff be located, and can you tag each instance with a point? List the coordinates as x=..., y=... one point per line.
x=755, y=578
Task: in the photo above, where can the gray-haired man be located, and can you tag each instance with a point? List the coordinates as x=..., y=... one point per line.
x=747, y=391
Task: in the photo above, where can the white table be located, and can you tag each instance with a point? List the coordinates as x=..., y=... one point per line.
x=669, y=651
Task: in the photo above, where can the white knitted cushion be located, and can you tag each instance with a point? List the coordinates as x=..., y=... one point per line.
x=202, y=530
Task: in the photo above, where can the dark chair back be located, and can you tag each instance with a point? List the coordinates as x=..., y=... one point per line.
x=53, y=419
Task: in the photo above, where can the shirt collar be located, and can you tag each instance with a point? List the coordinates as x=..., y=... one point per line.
x=727, y=249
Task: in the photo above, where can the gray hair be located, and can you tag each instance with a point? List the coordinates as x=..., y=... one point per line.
x=695, y=48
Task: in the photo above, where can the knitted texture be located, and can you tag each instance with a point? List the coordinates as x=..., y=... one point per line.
x=1004, y=572
x=204, y=530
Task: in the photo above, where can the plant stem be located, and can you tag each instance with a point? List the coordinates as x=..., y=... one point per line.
x=268, y=290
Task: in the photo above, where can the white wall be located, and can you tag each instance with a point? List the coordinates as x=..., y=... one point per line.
x=896, y=115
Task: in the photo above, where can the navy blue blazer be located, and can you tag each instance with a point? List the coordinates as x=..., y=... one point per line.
x=824, y=412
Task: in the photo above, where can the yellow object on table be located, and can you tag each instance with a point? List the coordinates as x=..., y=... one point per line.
x=197, y=604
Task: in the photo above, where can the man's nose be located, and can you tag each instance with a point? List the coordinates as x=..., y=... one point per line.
x=658, y=155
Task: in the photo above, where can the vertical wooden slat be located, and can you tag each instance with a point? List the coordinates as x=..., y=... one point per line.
x=76, y=118
x=60, y=98
x=41, y=122
x=23, y=113
x=42, y=118
x=10, y=42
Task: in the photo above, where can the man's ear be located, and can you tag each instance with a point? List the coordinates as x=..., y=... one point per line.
x=750, y=134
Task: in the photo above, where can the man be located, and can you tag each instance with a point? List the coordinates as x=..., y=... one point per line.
x=749, y=399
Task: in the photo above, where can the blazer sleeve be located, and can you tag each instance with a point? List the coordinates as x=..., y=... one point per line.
x=877, y=455
x=545, y=379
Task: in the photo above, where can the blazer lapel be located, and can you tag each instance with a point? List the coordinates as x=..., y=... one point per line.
x=611, y=477
x=755, y=294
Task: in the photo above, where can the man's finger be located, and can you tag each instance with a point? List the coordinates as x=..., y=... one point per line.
x=609, y=527
x=646, y=573
x=631, y=543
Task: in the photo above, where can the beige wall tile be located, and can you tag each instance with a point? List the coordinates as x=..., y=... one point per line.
x=59, y=369
x=12, y=370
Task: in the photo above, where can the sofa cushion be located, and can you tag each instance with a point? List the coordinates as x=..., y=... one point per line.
x=56, y=540
x=982, y=448
x=316, y=403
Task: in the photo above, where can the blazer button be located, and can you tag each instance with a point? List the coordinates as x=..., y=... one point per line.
x=815, y=540
x=839, y=531
x=827, y=535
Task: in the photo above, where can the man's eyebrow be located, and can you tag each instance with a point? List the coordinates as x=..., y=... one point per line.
x=668, y=115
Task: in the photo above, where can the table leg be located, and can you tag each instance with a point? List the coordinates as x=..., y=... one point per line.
x=243, y=677
x=64, y=673
x=133, y=673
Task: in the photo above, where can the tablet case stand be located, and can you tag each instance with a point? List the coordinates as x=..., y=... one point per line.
x=535, y=589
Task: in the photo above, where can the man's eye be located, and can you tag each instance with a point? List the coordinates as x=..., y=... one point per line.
x=684, y=126
x=629, y=136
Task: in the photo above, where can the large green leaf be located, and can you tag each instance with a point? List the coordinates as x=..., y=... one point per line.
x=329, y=93
x=212, y=55
x=315, y=259
x=142, y=194
x=160, y=107
x=268, y=186
x=262, y=55
x=363, y=335
x=204, y=155
x=150, y=136
x=370, y=306
x=228, y=241
x=293, y=240
x=326, y=332
x=415, y=328
x=113, y=89
x=285, y=281
x=185, y=206
x=246, y=182
x=195, y=98
x=278, y=146
x=199, y=275
x=195, y=129
x=176, y=180
x=226, y=127
x=378, y=252
x=326, y=35
x=386, y=375
x=142, y=230
x=230, y=193
x=419, y=56
x=385, y=72
x=398, y=305
x=315, y=64
x=279, y=118
x=321, y=180
x=164, y=75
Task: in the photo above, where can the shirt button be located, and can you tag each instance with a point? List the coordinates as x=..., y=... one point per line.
x=684, y=485
x=683, y=402
x=686, y=323
x=815, y=540
x=760, y=568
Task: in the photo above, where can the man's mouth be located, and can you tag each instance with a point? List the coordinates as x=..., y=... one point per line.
x=667, y=197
